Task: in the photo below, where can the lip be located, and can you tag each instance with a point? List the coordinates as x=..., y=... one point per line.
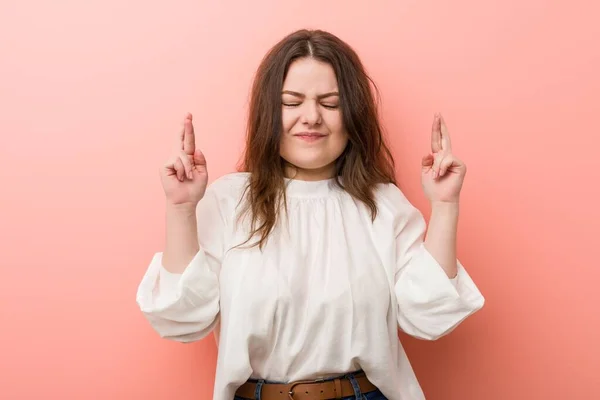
x=310, y=136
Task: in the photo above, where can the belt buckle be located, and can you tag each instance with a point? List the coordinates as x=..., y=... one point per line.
x=291, y=391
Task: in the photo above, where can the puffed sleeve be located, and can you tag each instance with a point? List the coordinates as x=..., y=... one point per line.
x=185, y=306
x=430, y=304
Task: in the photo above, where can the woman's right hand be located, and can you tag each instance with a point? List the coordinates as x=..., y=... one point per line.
x=184, y=177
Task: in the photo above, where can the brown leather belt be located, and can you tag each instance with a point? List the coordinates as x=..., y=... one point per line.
x=307, y=390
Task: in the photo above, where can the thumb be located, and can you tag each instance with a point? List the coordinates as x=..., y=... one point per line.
x=427, y=161
x=199, y=159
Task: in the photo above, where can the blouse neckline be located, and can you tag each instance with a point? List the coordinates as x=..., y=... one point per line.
x=301, y=188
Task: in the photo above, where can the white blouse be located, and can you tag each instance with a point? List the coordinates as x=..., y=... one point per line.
x=324, y=297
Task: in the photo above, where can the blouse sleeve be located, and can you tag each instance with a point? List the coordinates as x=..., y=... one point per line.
x=185, y=306
x=430, y=304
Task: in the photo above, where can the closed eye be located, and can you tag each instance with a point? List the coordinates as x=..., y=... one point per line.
x=328, y=106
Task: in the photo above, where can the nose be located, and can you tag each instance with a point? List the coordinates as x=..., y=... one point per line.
x=311, y=115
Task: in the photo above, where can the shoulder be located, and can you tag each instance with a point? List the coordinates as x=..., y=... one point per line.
x=223, y=195
x=393, y=203
x=229, y=185
x=390, y=195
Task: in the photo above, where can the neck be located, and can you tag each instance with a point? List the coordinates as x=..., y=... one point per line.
x=318, y=174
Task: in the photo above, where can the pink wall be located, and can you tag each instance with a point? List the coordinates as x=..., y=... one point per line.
x=91, y=96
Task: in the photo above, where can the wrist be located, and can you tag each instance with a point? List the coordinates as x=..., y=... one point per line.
x=445, y=207
x=181, y=208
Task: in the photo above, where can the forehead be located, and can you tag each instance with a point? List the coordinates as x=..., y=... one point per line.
x=307, y=75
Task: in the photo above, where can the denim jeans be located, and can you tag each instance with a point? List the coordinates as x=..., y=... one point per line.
x=374, y=395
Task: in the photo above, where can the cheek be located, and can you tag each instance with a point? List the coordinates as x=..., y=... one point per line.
x=339, y=144
x=340, y=136
x=288, y=120
x=335, y=125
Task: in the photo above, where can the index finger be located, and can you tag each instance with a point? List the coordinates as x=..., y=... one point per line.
x=189, y=140
x=436, y=134
x=446, y=144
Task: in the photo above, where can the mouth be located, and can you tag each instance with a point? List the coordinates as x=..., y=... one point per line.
x=310, y=136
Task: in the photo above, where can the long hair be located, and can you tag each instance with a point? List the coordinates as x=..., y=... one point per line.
x=366, y=160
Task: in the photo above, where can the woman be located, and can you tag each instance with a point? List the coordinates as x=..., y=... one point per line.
x=307, y=262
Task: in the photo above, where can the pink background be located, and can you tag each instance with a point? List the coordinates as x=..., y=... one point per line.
x=91, y=98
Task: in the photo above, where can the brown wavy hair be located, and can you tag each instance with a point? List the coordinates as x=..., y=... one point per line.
x=364, y=163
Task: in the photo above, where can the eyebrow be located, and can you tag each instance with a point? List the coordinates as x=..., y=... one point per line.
x=322, y=96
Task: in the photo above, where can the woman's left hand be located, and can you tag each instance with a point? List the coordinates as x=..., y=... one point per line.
x=442, y=173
